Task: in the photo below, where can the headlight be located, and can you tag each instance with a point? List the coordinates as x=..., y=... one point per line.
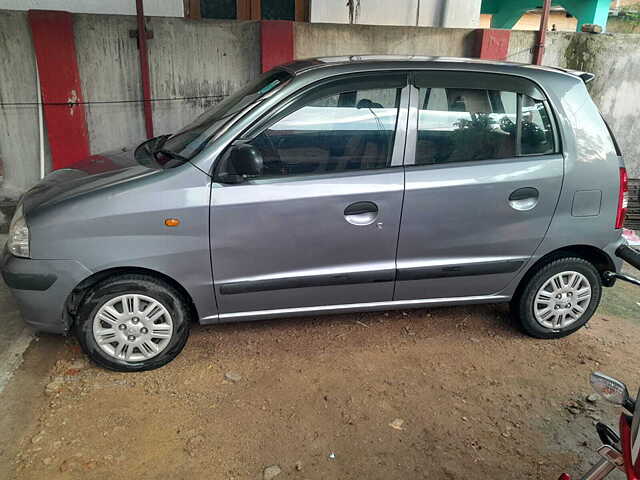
x=18, y=242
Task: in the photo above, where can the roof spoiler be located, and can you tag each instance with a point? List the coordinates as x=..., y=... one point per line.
x=585, y=76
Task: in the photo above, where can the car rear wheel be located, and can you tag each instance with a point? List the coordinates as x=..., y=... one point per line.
x=559, y=298
x=133, y=323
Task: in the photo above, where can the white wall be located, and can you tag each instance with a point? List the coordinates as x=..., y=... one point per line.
x=432, y=13
x=161, y=8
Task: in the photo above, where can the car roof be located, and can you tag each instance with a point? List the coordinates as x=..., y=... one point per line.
x=393, y=62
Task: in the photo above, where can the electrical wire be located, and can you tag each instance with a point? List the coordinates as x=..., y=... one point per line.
x=108, y=102
x=104, y=102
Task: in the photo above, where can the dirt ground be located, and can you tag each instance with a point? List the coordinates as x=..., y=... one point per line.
x=446, y=393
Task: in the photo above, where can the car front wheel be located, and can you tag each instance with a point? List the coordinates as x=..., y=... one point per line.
x=559, y=298
x=133, y=323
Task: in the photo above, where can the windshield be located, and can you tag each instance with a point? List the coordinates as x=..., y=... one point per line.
x=195, y=136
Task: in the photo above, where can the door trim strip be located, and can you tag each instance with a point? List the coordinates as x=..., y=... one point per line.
x=324, y=280
x=460, y=270
x=370, y=306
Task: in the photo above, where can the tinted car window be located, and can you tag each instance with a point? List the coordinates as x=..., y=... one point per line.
x=457, y=125
x=537, y=133
x=341, y=131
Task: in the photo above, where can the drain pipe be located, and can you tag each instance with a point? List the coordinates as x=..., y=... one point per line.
x=40, y=122
x=144, y=69
x=542, y=33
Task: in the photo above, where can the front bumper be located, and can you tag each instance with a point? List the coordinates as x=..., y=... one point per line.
x=41, y=289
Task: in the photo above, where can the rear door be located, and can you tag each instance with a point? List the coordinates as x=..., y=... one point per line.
x=483, y=176
x=318, y=228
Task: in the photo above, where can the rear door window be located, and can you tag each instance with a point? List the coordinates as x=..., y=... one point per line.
x=465, y=123
x=456, y=125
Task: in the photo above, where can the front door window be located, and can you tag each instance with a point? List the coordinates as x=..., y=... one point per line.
x=330, y=132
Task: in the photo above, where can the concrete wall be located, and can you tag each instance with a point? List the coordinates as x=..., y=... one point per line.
x=190, y=59
x=432, y=13
x=166, y=8
x=19, y=144
x=187, y=59
x=109, y=70
x=317, y=39
x=521, y=46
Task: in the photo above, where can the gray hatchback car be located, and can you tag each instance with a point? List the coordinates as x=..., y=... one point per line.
x=332, y=185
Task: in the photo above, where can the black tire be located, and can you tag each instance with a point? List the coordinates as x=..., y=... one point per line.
x=522, y=305
x=172, y=300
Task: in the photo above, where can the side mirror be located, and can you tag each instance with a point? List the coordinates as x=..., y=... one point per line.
x=144, y=152
x=245, y=161
x=610, y=389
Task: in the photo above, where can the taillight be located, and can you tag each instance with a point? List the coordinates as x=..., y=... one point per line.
x=623, y=198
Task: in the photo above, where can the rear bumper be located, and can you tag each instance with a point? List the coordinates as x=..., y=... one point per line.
x=610, y=250
x=41, y=289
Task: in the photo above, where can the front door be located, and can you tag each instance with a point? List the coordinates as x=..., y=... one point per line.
x=318, y=226
x=483, y=176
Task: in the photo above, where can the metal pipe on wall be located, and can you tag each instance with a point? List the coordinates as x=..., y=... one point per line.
x=444, y=13
x=40, y=123
x=144, y=69
x=542, y=33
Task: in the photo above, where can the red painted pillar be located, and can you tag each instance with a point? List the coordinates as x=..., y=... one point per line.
x=492, y=44
x=55, y=50
x=276, y=43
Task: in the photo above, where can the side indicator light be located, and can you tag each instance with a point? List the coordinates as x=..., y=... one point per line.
x=172, y=222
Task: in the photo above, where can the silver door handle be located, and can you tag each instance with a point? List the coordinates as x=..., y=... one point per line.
x=524, y=198
x=361, y=213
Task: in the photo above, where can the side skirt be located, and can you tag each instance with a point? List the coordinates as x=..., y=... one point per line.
x=351, y=307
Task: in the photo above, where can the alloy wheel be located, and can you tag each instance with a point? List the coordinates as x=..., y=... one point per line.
x=562, y=300
x=132, y=327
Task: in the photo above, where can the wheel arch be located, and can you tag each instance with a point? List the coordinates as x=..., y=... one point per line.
x=596, y=256
x=77, y=295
